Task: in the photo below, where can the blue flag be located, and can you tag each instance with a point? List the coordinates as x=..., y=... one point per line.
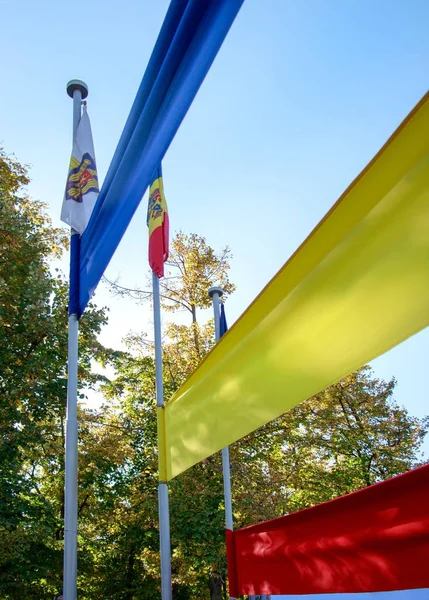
x=223, y=324
x=188, y=43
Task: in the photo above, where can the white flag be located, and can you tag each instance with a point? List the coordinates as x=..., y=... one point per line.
x=82, y=181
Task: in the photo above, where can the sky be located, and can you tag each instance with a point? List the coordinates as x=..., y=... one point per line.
x=299, y=99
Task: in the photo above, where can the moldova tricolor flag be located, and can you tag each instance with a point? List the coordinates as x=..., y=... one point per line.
x=157, y=222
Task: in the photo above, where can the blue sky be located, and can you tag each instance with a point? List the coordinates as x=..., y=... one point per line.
x=299, y=99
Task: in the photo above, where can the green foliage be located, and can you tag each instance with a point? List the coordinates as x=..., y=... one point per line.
x=33, y=358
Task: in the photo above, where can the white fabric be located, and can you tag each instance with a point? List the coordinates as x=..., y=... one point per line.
x=77, y=214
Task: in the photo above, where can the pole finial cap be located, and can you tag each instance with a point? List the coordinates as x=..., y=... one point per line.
x=77, y=84
x=215, y=290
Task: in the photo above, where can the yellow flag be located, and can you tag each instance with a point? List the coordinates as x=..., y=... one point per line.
x=355, y=288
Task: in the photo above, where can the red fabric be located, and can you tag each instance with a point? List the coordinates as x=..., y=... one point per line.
x=230, y=555
x=376, y=539
x=158, y=247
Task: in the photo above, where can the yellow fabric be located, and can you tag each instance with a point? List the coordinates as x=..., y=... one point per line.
x=357, y=286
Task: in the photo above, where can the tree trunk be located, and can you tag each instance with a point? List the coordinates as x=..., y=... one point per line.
x=130, y=575
x=59, y=533
x=215, y=584
x=195, y=328
x=225, y=591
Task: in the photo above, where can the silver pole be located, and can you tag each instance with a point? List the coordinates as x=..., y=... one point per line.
x=164, y=515
x=77, y=90
x=227, y=488
x=215, y=293
x=70, y=495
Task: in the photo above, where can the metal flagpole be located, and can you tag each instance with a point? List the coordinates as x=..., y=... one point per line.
x=77, y=90
x=164, y=516
x=215, y=293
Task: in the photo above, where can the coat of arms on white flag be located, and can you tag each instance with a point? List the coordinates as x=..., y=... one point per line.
x=82, y=181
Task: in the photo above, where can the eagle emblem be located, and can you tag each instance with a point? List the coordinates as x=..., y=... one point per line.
x=154, y=209
x=82, y=178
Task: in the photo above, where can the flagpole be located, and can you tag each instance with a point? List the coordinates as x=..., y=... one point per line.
x=77, y=90
x=215, y=294
x=164, y=516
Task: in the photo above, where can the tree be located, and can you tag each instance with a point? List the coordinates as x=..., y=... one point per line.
x=33, y=357
x=192, y=268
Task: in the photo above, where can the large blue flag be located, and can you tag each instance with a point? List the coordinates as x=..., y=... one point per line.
x=190, y=38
